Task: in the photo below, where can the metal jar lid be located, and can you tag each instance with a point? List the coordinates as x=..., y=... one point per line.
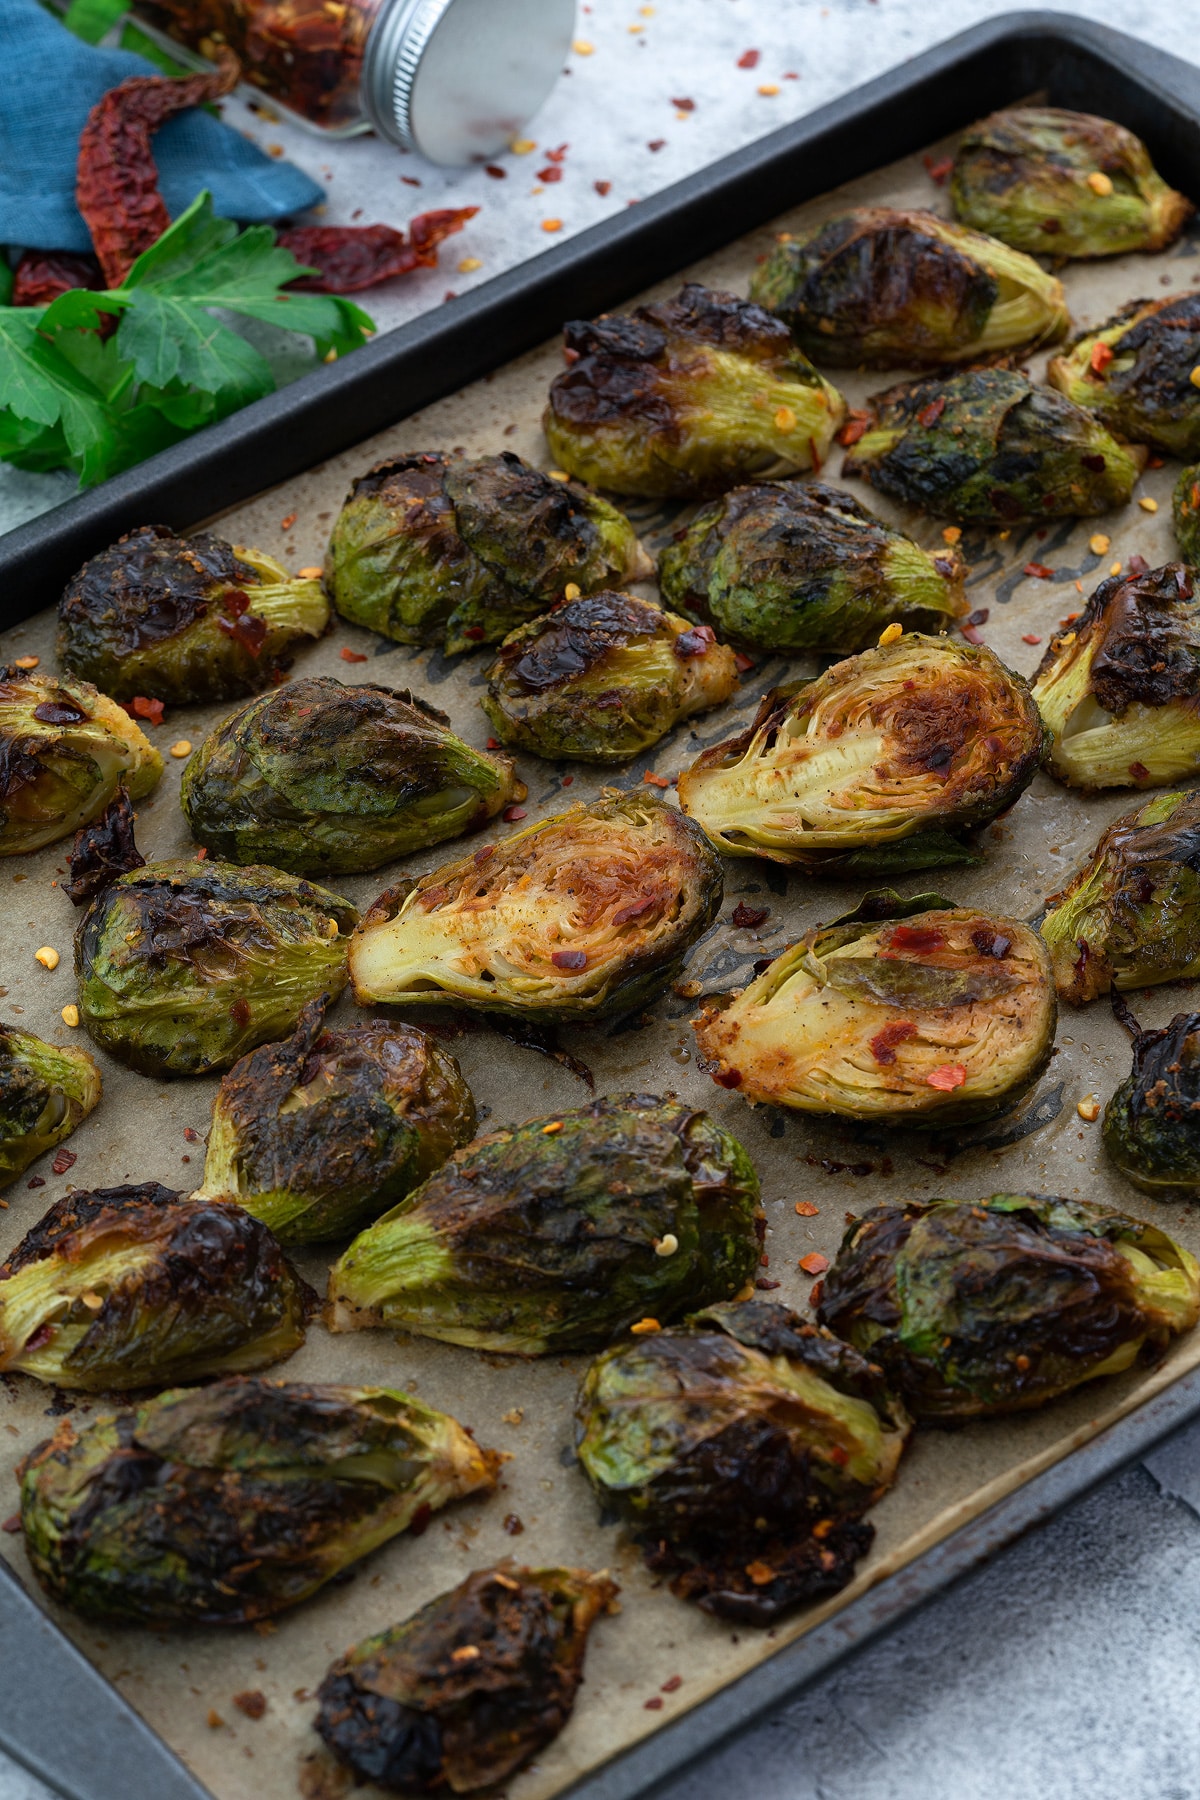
x=457, y=79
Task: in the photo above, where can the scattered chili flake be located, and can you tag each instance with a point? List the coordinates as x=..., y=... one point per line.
x=744, y=663
x=654, y=1704
x=672, y=1684
x=513, y=1525
x=602, y=188
x=408, y=180
x=766, y=1284
x=645, y=1327
x=806, y=1209
x=201, y=853
x=63, y=1160
x=839, y=1454
x=566, y=780
x=854, y=428
x=569, y=959
x=1139, y=771
x=557, y=155
x=1100, y=358
x=747, y=917
x=883, y=1044
x=946, y=1078
x=474, y=632
x=495, y=171
x=760, y=1573
x=815, y=1292
x=481, y=856
x=749, y=59
x=728, y=1078
x=191, y=1134
x=348, y=655
x=696, y=642
x=814, y=1263
x=1030, y=637
x=938, y=171
x=351, y=257
x=929, y=415
x=1137, y=564
x=12, y=1525
x=512, y=814
x=36, y=1181
x=253, y=1703
x=633, y=909
x=249, y=630
x=1039, y=571
x=658, y=781
x=420, y=1520
x=1156, y=462
x=142, y=708
x=550, y=173
x=215, y=1721
x=980, y=616
x=551, y=224
x=684, y=105
x=239, y=1012
x=286, y=524
x=26, y=662
x=656, y=144
x=917, y=938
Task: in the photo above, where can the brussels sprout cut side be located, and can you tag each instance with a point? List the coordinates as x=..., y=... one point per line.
x=557, y=1234
x=929, y=1018
x=1152, y=1122
x=976, y=1307
x=1119, y=690
x=65, y=751
x=688, y=397
x=1135, y=373
x=881, y=289
x=1063, y=184
x=988, y=445
x=882, y=763
x=127, y=1287
x=185, y=619
x=1131, y=916
x=321, y=1134
x=432, y=550
x=604, y=677
x=742, y=1449
x=226, y=1504
x=45, y=1091
x=183, y=966
x=584, y=915
x=468, y=1689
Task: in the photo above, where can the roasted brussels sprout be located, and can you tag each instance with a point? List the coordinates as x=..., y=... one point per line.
x=742, y=1448
x=65, y=750
x=604, y=677
x=1152, y=1122
x=318, y=1135
x=1135, y=373
x=338, y=779
x=102, y=851
x=429, y=550
x=990, y=446
x=126, y=1287
x=993, y=1306
x=688, y=397
x=45, y=1090
x=881, y=763
x=1063, y=183
x=469, y=1688
x=183, y=966
x=560, y=1233
x=222, y=1505
x=1187, y=515
x=913, y=1012
x=1119, y=690
x=588, y=914
x=185, y=619
x=1131, y=916
x=881, y=289
x=789, y=566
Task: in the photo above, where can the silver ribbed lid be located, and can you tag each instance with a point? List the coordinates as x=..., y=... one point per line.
x=457, y=79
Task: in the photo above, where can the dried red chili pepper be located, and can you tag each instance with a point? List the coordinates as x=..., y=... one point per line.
x=352, y=257
x=42, y=275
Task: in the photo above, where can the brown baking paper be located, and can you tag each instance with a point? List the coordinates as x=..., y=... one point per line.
x=183, y=1682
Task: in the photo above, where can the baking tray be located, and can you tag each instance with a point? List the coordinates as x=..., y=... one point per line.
x=961, y=1494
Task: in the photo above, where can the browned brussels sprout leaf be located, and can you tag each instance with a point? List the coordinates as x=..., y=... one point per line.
x=45, y=1091
x=1187, y=515
x=1135, y=373
x=1152, y=1122
x=102, y=851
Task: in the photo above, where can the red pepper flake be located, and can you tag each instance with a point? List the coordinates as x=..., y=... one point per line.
x=814, y=1263
x=495, y=171
x=239, y=1012
x=745, y=663
x=883, y=1044
x=142, y=708
x=1139, y=771
x=1137, y=565
x=36, y=1181
x=1100, y=358
x=13, y=1525
x=1155, y=462
x=249, y=630
x=351, y=257
x=1039, y=571
x=286, y=524
x=59, y=712
x=654, y=1704
x=980, y=616
x=764, y=1283
x=929, y=415
x=728, y=1078
x=656, y=144
x=420, y=1520
x=234, y=603
x=633, y=909
x=550, y=173
x=1030, y=637
x=493, y=743
x=653, y=780
x=672, y=1684
x=856, y=425
x=569, y=959
x=201, y=853
x=806, y=1209
x=602, y=188
x=253, y=1703
x=566, y=780
x=938, y=171
x=37, y=1340
x=815, y=1292
x=747, y=917
x=408, y=180
x=684, y=105
x=749, y=59
x=971, y=633
x=514, y=1525
x=63, y=1160
x=696, y=642
x=918, y=938
x=474, y=632
x=839, y=1455
x=481, y=856
x=556, y=156
x=512, y=814
x=348, y=655
x=946, y=1078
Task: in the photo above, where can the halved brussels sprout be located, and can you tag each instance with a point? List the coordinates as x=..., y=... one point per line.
x=226, y=1504
x=45, y=1091
x=185, y=619
x=688, y=397
x=913, y=1012
x=789, y=565
x=1135, y=373
x=881, y=763
x=126, y=1287
x=432, y=550
x=1119, y=689
x=65, y=750
x=989, y=445
x=604, y=677
x=1063, y=184
x=881, y=289
x=462, y=1694
x=318, y=1135
x=1152, y=1122
x=743, y=1448
x=1186, y=508
x=320, y=776
x=183, y=966
x=1131, y=916
x=976, y=1307
x=585, y=915
x=559, y=1233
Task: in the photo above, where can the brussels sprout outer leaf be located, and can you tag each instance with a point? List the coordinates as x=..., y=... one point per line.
x=1152, y=1123
x=45, y=1091
x=102, y=851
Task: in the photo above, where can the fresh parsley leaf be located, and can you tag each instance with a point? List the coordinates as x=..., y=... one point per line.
x=92, y=20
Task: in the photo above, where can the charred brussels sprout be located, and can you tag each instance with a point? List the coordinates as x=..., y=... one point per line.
x=127, y=1287
x=1120, y=689
x=1135, y=373
x=338, y=779
x=1187, y=515
x=185, y=619
x=992, y=1306
x=45, y=1090
x=688, y=397
x=742, y=1449
x=430, y=550
x=603, y=677
x=462, y=1694
x=1131, y=916
x=65, y=751
x=881, y=763
x=558, y=1234
x=882, y=289
x=103, y=850
x=321, y=1134
x=588, y=914
x=225, y=1504
x=793, y=566
x=1152, y=1122
x=989, y=445
x=904, y=1012
x=183, y=966
x=1063, y=184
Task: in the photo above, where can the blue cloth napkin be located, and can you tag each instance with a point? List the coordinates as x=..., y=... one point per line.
x=51, y=82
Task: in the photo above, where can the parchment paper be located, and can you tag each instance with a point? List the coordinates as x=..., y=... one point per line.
x=183, y=1682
